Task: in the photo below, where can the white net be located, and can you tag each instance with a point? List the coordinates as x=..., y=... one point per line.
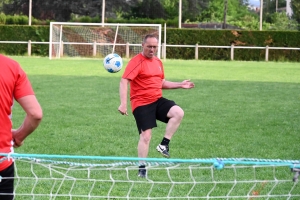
x=93, y=39
x=67, y=177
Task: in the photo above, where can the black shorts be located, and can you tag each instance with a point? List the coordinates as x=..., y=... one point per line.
x=146, y=116
x=7, y=183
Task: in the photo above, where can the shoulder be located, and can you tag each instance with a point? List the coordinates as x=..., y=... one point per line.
x=138, y=59
x=8, y=61
x=156, y=59
x=10, y=66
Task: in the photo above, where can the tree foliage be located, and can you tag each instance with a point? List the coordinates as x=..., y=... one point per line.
x=150, y=9
x=192, y=10
x=215, y=11
x=62, y=10
x=270, y=5
x=167, y=9
x=295, y=4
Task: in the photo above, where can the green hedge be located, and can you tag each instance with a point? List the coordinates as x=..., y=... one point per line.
x=238, y=38
x=177, y=37
x=24, y=34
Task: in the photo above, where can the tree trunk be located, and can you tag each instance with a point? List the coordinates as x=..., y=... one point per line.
x=225, y=13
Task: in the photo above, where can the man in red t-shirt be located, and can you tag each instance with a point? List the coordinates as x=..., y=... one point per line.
x=14, y=85
x=145, y=74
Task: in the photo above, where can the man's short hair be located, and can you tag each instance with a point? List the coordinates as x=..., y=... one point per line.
x=149, y=36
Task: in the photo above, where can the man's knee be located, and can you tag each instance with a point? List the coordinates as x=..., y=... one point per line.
x=145, y=136
x=176, y=112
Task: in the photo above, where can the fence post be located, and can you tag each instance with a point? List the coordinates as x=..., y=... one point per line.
x=267, y=53
x=232, y=52
x=162, y=51
x=94, y=49
x=127, y=49
x=61, y=49
x=196, y=51
x=29, y=48
x=165, y=50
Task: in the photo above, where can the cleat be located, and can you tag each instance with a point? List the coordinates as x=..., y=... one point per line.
x=142, y=171
x=164, y=150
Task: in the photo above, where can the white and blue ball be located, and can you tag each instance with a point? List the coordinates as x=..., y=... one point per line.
x=113, y=63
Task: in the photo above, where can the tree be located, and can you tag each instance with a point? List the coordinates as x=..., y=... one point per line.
x=62, y=10
x=215, y=10
x=280, y=21
x=192, y=9
x=152, y=9
x=225, y=13
x=295, y=4
x=171, y=8
x=167, y=9
x=270, y=5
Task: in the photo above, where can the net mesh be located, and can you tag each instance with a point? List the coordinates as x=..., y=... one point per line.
x=116, y=178
x=85, y=40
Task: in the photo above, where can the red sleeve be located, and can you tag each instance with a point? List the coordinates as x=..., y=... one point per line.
x=23, y=86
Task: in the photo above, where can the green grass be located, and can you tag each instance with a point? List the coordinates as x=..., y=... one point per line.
x=237, y=109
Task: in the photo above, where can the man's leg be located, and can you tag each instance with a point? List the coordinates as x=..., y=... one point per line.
x=7, y=183
x=175, y=116
x=144, y=142
x=143, y=149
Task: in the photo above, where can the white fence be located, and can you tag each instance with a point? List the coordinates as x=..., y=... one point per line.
x=163, y=47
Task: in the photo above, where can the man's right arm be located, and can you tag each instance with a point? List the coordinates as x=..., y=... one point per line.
x=123, y=96
x=34, y=115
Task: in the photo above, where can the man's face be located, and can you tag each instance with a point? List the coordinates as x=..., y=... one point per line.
x=150, y=47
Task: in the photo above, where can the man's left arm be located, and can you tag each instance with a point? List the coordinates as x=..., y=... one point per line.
x=186, y=84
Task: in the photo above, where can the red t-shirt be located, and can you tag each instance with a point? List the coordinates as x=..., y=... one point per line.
x=14, y=84
x=146, y=77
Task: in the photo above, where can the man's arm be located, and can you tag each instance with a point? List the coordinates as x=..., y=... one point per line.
x=186, y=84
x=34, y=115
x=123, y=96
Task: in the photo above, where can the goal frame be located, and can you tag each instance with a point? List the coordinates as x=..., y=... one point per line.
x=51, y=42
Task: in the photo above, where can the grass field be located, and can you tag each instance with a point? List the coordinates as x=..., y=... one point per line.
x=236, y=110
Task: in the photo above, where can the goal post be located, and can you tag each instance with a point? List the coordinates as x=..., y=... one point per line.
x=71, y=39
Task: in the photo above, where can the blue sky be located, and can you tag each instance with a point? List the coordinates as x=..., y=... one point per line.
x=254, y=2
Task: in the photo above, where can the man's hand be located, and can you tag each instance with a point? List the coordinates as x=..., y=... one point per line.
x=17, y=143
x=187, y=84
x=123, y=110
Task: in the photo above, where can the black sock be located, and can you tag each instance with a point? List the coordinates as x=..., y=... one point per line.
x=142, y=166
x=165, y=142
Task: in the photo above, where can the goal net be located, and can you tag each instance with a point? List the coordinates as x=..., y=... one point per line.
x=94, y=177
x=98, y=39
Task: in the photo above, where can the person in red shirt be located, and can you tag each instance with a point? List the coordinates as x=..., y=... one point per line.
x=145, y=74
x=14, y=86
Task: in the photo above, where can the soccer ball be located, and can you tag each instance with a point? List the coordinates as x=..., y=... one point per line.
x=113, y=63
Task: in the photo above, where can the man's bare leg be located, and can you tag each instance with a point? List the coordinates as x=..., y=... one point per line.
x=143, y=150
x=175, y=114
